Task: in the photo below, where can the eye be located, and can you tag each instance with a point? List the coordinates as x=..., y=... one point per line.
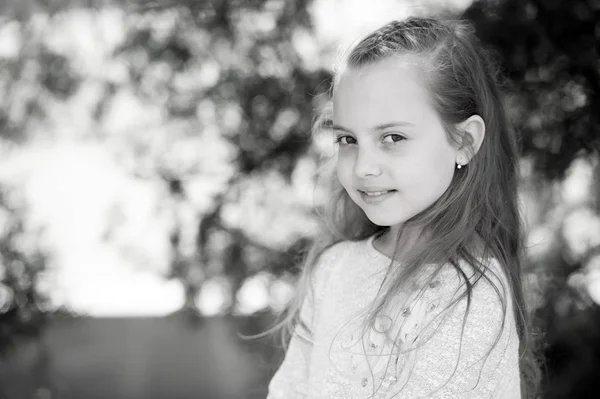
x=393, y=138
x=345, y=140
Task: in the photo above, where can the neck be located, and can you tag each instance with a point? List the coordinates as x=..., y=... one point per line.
x=397, y=241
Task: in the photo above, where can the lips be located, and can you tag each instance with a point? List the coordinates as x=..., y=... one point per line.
x=376, y=193
x=375, y=196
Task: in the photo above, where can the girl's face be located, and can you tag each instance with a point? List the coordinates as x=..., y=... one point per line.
x=394, y=158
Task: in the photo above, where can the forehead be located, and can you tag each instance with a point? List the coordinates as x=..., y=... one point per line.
x=390, y=89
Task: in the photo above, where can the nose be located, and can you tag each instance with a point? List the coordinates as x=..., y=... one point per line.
x=367, y=163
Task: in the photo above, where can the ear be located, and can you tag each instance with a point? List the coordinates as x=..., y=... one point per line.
x=472, y=133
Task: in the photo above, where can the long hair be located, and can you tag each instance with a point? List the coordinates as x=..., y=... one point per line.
x=481, y=203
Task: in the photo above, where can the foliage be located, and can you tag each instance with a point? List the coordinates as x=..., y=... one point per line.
x=232, y=70
x=549, y=54
x=22, y=306
x=210, y=103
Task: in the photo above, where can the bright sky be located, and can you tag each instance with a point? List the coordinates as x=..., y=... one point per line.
x=343, y=21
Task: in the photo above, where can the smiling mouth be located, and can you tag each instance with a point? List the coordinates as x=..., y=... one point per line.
x=376, y=193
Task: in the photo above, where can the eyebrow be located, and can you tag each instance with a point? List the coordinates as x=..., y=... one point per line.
x=378, y=127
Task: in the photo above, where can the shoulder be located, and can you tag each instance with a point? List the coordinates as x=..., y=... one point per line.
x=344, y=249
x=462, y=295
x=483, y=299
x=486, y=280
x=341, y=251
x=326, y=260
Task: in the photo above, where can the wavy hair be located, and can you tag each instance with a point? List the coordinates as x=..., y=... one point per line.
x=481, y=203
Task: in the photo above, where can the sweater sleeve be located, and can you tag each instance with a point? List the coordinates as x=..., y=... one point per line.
x=462, y=359
x=291, y=378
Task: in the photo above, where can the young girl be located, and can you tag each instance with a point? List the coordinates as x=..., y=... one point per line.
x=415, y=289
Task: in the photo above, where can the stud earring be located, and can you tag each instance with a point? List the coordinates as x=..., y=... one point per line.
x=458, y=166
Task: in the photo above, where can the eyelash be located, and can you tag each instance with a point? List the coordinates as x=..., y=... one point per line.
x=338, y=139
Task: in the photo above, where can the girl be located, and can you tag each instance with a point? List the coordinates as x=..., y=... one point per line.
x=415, y=289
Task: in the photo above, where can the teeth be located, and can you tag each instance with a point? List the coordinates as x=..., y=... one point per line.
x=375, y=193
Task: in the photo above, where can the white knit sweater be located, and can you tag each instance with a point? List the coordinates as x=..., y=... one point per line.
x=437, y=357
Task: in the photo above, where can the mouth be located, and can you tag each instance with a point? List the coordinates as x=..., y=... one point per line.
x=376, y=193
x=376, y=196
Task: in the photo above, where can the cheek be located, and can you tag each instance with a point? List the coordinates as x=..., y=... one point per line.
x=341, y=174
x=344, y=166
x=441, y=171
x=432, y=170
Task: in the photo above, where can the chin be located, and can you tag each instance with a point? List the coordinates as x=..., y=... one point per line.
x=384, y=220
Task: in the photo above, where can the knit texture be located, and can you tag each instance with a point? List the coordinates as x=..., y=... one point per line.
x=414, y=350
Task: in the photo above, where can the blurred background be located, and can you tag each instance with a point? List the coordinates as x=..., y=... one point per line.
x=157, y=183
